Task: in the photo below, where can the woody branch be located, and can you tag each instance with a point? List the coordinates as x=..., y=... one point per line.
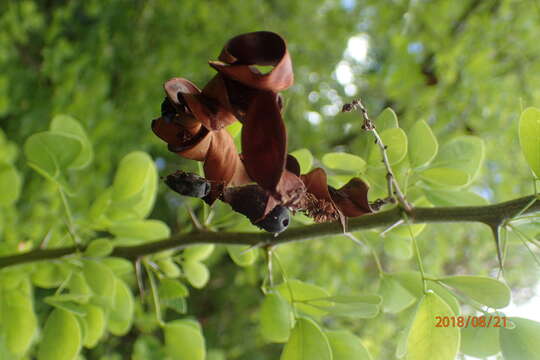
x=489, y=214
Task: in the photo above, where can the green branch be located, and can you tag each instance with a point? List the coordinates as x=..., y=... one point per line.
x=491, y=215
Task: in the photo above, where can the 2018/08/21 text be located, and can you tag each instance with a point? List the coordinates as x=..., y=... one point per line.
x=472, y=321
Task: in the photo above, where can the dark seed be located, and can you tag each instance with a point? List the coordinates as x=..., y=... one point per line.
x=188, y=184
x=276, y=221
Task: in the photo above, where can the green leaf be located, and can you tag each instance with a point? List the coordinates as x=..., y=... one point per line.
x=18, y=322
x=100, y=278
x=10, y=183
x=99, y=248
x=61, y=337
x=305, y=159
x=346, y=346
x=51, y=153
x=119, y=266
x=134, y=187
x=395, y=298
x=183, y=341
x=48, y=275
x=121, y=315
x=302, y=292
x=356, y=306
x=395, y=140
x=529, y=138
x=68, y=302
x=275, y=318
x=242, y=255
x=387, y=119
x=344, y=161
x=95, y=325
x=412, y=282
x=423, y=145
x=172, y=289
x=445, y=177
x=398, y=247
x=147, y=230
x=307, y=342
x=440, y=197
x=198, y=252
x=480, y=342
x=170, y=268
x=484, y=290
x=67, y=125
x=465, y=153
x=132, y=175
x=520, y=342
x=426, y=341
x=196, y=273
x=78, y=285
x=178, y=304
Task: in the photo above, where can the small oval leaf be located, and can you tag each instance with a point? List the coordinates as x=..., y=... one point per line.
x=184, y=341
x=423, y=145
x=196, y=273
x=520, y=342
x=275, y=318
x=426, y=341
x=242, y=255
x=346, y=346
x=344, y=161
x=61, y=337
x=307, y=342
x=485, y=290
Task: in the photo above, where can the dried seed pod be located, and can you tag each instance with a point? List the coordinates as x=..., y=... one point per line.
x=188, y=184
x=251, y=201
x=248, y=200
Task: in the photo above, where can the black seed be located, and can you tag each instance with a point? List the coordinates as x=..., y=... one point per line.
x=188, y=184
x=276, y=221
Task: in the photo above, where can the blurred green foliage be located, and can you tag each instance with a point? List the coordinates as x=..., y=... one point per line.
x=463, y=68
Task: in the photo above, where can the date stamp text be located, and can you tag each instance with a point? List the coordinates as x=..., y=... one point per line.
x=470, y=321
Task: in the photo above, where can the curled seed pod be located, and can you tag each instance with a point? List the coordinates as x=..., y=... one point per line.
x=168, y=112
x=188, y=184
x=276, y=221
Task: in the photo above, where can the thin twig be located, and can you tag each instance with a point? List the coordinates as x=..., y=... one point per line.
x=394, y=190
x=194, y=219
x=140, y=282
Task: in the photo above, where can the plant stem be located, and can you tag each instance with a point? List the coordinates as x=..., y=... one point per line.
x=491, y=215
x=155, y=296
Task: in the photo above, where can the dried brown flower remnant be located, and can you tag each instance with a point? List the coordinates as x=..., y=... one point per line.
x=262, y=182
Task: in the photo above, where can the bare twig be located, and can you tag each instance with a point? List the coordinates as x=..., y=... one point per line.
x=394, y=190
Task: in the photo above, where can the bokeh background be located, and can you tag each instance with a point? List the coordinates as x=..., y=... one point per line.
x=466, y=67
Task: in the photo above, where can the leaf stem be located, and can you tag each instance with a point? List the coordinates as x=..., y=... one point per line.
x=155, y=296
x=394, y=190
x=70, y=222
x=417, y=253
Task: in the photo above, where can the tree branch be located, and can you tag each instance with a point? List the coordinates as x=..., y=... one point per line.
x=491, y=215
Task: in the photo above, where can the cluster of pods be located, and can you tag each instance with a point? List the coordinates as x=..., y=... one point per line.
x=263, y=182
